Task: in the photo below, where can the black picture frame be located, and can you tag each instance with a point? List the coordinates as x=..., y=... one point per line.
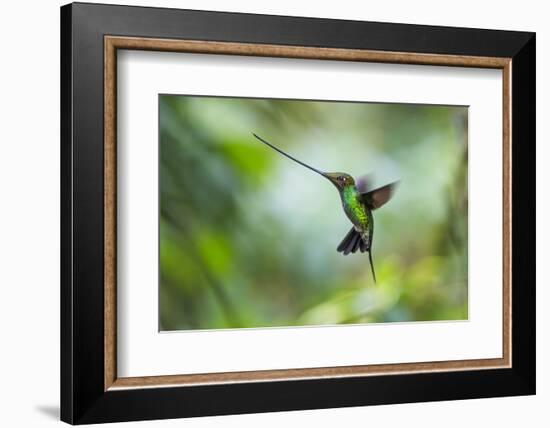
x=83, y=396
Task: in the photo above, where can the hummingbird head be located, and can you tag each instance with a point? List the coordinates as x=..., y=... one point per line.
x=339, y=179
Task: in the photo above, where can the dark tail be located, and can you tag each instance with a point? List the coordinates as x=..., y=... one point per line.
x=353, y=242
x=372, y=265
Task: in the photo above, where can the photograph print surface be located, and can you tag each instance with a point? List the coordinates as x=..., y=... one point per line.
x=281, y=213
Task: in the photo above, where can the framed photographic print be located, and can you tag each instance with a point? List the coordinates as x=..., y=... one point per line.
x=265, y=213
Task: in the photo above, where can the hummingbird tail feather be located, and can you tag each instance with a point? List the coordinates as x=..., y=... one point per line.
x=351, y=242
x=353, y=245
x=372, y=265
x=345, y=242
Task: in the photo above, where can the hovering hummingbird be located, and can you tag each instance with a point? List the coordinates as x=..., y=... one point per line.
x=358, y=201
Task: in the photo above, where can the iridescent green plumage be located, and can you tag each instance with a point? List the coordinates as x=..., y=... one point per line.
x=355, y=208
x=358, y=201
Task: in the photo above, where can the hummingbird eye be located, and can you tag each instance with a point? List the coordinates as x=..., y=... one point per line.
x=342, y=179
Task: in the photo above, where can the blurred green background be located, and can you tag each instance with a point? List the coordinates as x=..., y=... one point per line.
x=248, y=238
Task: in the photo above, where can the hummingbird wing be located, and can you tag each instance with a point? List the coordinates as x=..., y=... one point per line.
x=378, y=197
x=364, y=183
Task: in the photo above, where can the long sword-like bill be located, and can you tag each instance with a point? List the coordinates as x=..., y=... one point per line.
x=288, y=156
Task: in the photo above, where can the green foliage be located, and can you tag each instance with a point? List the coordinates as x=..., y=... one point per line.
x=248, y=238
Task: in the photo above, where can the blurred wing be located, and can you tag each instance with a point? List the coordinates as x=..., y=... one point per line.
x=378, y=197
x=364, y=183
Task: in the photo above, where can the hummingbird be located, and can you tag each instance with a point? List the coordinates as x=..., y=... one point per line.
x=358, y=202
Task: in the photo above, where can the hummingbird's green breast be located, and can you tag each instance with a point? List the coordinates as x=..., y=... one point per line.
x=355, y=209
